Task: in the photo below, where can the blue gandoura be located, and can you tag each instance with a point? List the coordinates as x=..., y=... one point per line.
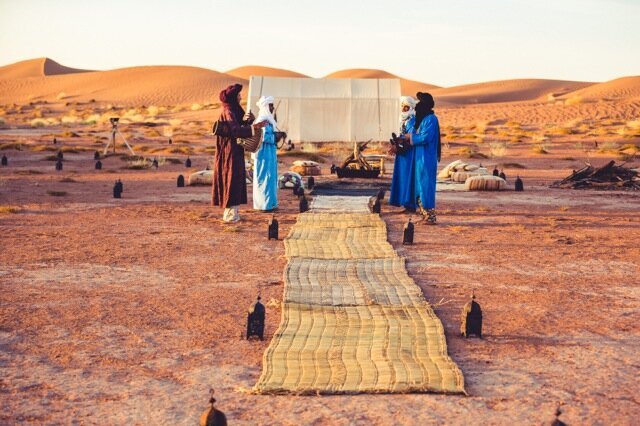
x=403, y=192
x=265, y=169
x=426, y=142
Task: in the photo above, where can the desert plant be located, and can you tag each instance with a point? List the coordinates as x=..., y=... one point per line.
x=196, y=107
x=540, y=148
x=9, y=210
x=61, y=96
x=574, y=100
x=497, y=149
x=38, y=122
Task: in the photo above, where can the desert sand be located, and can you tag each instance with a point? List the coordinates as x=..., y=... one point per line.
x=127, y=311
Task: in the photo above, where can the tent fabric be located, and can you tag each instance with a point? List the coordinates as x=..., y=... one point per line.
x=333, y=109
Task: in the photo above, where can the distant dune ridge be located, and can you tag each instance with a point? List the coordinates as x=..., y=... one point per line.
x=249, y=70
x=407, y=87
x=38, y=67
x=45, y=79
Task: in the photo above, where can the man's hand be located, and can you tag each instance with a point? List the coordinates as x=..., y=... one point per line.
x=249, y=117
x=260, y=125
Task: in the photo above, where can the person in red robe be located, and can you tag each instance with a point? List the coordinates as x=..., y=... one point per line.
x=229, y=175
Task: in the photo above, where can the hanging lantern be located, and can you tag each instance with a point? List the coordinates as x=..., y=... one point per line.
x=407, y=235
x=272, y=232
x=180, y=181
x=255, y=320
x=471, y=319
x=187, y=163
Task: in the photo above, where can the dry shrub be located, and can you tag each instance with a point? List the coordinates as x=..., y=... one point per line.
x=574, y=100
x=61, y=96
x=497, y=149
x=605, y=147
x=69, y=119
x=28, y=172
x=470, y=152
x=560, y=131
x=38, y=122
x=153, y=110
x=540, y=148
x=11, y=145
x=196, y=107
x=9, y=210
x=633, y=124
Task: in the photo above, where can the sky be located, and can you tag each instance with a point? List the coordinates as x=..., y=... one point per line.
x=447, y=42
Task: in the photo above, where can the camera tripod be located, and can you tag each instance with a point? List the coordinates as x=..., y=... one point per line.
x=114, y=130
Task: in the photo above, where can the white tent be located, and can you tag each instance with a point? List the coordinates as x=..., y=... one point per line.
x=331, y=110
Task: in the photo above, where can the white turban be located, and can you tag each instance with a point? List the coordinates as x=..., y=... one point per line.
x=411, y=103
x=265, y=113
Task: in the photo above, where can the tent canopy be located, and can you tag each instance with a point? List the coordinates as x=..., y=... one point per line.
x=331, y=110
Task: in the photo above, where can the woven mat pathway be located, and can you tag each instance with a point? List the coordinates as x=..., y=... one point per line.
x=353, y=321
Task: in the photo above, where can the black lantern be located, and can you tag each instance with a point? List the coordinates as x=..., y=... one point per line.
x=59, y=164
x=170, y=141
x=180, y=181
x=407, y=235
x=98, y=165
x=471, y=319
x=519, y=184
x=333, y=169
x=495, y=171
x=255, y=320
x=96, y=155
x=380, y=195
x=212, y=416
x=187, y=163
x=60, y=155
x=304, y=204
x=311, y=182
x=273, y=228
x=55, y=141
x=154, y=164
x=117, y=189
x=374, y=204
x=502, y=175
x=4, y=160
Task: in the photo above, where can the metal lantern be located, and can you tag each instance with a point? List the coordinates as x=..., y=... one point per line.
x=255, y=320
x=519, y=184
x=502, y=175
x=471, y=319
x=96, y=155
x=187, y=163
x=98, y=165
x=311, y=182
x=407, y=235
x=304, y=204
x=272, y=232
x=212, y=416
x=59, y=164
x=180, y=181
x=117, y=189
x=5, y=160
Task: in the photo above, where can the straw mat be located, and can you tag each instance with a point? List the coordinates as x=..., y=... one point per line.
x=353, y=320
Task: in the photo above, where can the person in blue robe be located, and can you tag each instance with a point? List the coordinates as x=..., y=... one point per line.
x=265, y=167
x=425, y=139
x=402, y=192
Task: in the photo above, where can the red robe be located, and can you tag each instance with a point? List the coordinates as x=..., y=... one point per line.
x=229, y=175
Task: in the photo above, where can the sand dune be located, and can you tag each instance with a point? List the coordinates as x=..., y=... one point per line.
x=38, y=67
x=249, y=70
x=625, y=88
x=160, y=85
x=407, y=87
x=507, y=91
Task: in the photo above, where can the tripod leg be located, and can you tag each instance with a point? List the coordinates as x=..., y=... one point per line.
x=126, y=143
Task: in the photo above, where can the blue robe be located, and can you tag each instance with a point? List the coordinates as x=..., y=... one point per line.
x=265, y=172
x=402, y=192
x=425, y=142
